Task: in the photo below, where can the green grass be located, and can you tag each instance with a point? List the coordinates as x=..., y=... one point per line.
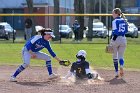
x=10, y=54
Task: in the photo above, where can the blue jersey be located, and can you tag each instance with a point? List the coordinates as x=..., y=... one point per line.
x=37, y=43
x=119, y=27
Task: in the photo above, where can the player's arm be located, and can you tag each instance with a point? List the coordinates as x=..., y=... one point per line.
x=58, y=59
x=114, y=30
x=71, y=72
x=52, y=53
x=48, y=46
x=29, y=46
x=61, y=62
x=88, y=71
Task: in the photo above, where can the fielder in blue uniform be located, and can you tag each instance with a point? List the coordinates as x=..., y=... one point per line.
x=32, y=50
x=120, y=28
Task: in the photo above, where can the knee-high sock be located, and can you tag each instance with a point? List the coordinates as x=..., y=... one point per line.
x=121, y=61
x=19, y=69
x=49, y=67
x=116, y=65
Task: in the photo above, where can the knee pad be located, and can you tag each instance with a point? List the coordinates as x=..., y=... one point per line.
x=25, y=65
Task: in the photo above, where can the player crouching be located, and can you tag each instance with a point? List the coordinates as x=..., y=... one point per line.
x=81, y=70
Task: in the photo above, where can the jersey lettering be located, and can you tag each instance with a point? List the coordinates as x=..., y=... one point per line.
x=79, y=70
x=122, y=27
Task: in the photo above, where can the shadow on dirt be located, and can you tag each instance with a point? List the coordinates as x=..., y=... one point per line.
x=116, y=81
x=33, y=83
x=45, y=83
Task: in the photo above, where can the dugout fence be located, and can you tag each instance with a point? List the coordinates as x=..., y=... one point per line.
x=49, y=17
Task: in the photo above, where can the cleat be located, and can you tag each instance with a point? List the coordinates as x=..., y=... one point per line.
x=116, y=76
x=95, y=76
x=13, y=79
x=121, y=72
x=53, y=76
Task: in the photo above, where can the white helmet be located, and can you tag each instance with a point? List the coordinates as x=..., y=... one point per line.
x=82, y=53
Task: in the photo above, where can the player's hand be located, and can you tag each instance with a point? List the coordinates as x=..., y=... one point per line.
x=33, y=56
x=64, y=62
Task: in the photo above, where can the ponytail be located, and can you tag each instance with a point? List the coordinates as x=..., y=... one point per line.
x=42, y=31
x=122, y=16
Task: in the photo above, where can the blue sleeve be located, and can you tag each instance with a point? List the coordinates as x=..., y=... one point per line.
x=50, y=49
x=114, y=27
x=114, y=32
x=29, y=46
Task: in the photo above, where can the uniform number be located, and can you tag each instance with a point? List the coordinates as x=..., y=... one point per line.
x=122, y=27
x=79, y=70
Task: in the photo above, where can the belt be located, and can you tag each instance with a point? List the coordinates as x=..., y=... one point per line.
x=121, y=35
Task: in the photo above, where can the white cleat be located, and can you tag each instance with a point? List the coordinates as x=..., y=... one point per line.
x=117, y=76
x=53, y=76
x=13, y=79
x=95, y=76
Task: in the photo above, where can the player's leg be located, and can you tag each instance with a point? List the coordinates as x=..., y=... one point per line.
x=115, y=60
x=76, y=35
x=26, y=59
x=121, y=51
x=47, y=58
x=97, y=76
x=121, y=59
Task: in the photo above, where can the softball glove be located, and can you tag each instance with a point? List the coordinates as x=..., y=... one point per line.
x=65, y=62
x=109, y=49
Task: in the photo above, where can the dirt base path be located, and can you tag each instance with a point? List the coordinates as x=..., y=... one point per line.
x=34, y=80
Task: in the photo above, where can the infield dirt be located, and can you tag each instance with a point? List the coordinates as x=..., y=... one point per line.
x=35, y=80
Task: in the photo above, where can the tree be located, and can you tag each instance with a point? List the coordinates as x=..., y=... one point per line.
x=79, y=8
x=118, y=4
x=30, y=9
x=56, y=20
x=90, y=21
x=30, y=5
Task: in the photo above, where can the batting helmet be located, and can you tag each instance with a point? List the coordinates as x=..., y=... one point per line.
x=81, y=54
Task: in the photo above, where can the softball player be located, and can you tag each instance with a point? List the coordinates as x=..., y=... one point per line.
x=80, y=69
x=119, y=27
x=32, y=50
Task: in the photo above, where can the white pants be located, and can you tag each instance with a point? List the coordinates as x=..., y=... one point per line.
x=119, y=46
x=26, y=56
